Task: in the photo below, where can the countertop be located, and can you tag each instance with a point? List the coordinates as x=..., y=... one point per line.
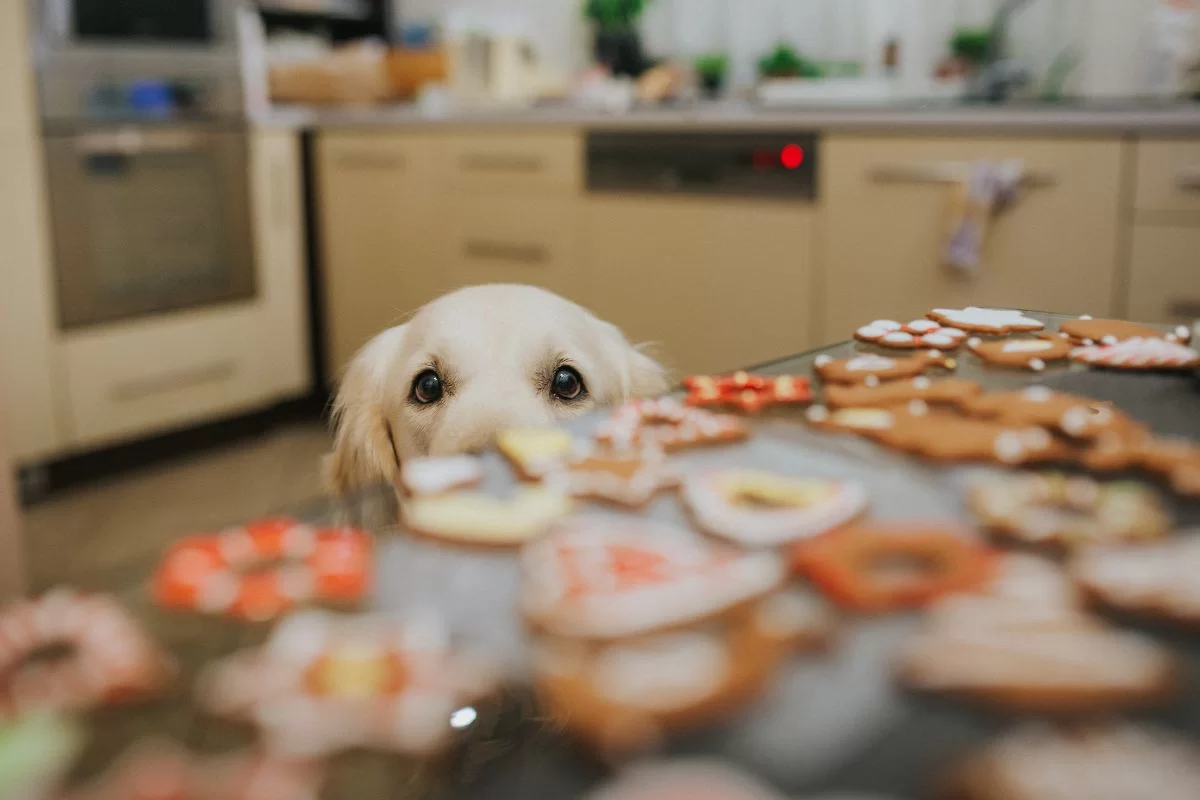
x=909, y=117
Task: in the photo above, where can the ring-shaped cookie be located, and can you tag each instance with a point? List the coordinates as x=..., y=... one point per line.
x=264, y=569
x=879, y=568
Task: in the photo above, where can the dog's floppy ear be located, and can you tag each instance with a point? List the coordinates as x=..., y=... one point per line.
x=647, y=378
x=364, y=451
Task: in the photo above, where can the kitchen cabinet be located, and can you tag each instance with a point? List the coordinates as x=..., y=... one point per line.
x=715, y=283
x=383, y=233
x=1168, y=179
x=1164, y=274
x=1057, y=248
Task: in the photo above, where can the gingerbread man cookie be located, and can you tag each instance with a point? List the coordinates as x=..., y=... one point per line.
x=947, y=391
x=474, y=518
x=870, y=369
x=757, y=508
x=1138, y=353
x=439, y=474
x=607, y=578
x=625, y=477
x=1157, y=580
x=1030, y=647
x=746, y=392
x=668, y=424
x=1088, y=331
x=1076, y=416
x=990, y=321
x=918, y=334
x=1034, y=354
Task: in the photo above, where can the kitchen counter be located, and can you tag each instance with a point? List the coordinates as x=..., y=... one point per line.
x=1040, y=119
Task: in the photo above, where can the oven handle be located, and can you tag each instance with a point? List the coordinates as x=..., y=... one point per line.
x=134, y=142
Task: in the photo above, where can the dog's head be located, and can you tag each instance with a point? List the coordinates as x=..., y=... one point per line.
x=470, y=364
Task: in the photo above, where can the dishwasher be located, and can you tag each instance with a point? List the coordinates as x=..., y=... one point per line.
x=703, y=243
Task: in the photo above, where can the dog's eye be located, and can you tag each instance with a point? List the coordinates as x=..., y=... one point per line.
x=567, y=384
x=427, y=387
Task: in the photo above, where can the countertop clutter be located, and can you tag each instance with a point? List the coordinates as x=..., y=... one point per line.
x=781, y=602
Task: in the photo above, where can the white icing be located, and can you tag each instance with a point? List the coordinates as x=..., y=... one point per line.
x=974, y=341
x=823, y=359
x=817, y=413
x=1037, y=394
x=989, y=318
x=869, y=363
x=1086, y=316
x=898, y=337
x=938, y=339
x=1110, y=339
x=1026, y=346
x=1138, y=352
x=436, y=475
x=1037, y=365
x=922, y=326
x=886, y=324
x=663, y=673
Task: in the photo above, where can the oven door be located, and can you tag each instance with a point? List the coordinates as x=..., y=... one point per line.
x=148, y=220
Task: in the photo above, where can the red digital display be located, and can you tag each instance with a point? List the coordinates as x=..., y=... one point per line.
x=791, y=156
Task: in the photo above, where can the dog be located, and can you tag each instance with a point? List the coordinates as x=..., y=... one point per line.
x=472, y=363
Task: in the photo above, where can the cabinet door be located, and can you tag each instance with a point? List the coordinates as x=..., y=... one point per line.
x=1164, y=276
x=381, y=230
x=1168, y=177
x=1055, y=249
x=718, y=284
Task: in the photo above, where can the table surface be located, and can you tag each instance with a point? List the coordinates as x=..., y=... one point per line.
x=831, y=725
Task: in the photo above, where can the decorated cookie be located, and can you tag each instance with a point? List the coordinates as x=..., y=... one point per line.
x=990, y=321
x=1138, y=353
x=475, y=518
x=1034, y=354
x=1157, y=580
x=875, y=568
x=1077, y=417
x=36, y=752
x=870, y=369
x=939, y=436
x=439, y=474
x=602, y=578
x=325, y=683
x=757, y=508
x=667, y=424
x=534, y=452
x=160, y=770
x=868, y=422
x=626, y=477
x=626, y=695
x=1176, y=460
x=946, y=391
x=1086, y=330
x=1027, y=646
x=264, y=569
x=695, y=778
x=918, y=334
x=108, y=658
x=1117, y=761
x=746, y=392
x=1064, y=511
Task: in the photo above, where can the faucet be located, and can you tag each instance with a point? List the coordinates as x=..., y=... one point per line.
x=1000, y=74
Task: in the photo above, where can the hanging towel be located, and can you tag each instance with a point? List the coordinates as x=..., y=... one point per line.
x=986, y=189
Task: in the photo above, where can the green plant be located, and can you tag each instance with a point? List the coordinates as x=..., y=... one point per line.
x=785, y=62
x=712, y=65
x=608, y=14
x=971, y=44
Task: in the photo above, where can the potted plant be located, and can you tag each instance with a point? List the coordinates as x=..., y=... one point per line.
x=618, y=45
x=711, y=68
x=785, y=62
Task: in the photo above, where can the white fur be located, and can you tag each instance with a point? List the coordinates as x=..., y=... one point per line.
x=495, y=347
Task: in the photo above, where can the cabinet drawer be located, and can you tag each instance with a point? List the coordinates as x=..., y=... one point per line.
x=380, y=154
x=532, y=241
x=1164, y=275
x=1168, y=176
x=133, y=380
x=507, y=163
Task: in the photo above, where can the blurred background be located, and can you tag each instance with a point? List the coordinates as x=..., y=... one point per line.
x=209, y=205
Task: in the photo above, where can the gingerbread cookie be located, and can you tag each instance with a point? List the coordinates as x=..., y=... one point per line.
x=746, y=392
x=668, y=424
x=684, y=778
x=757, y=508
x=874, y=568
x=108, y=658
x=1157, y=580
x=325, y=683
x=1088, y=331
x=1032, y=354
x=439, y=474
x=868, y=422
x=1029, y=647
x=918, y=334
x=1077, y=417
x=627, y=695
x=1117, y=761
x=607, y=578
x=990, y=321
x=1176, y=460
x=940, y=436
x=1138, y=353
x=1067, y=512
x=475, y=518
x=870, y=369
x=534, y=452
x=263, y=569
x=626, y=477
x=947, y=391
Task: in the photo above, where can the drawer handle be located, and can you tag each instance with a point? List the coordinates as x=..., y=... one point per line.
x=1189, y=180
x=497, y=162
x=140, y=389
x=370, y=161
x=949, y=172
x=1185, y=308
x=506, y=251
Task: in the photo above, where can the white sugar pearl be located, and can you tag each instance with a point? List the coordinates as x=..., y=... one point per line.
x=822, y=360
x=974, y=341
x=818, y=413
x=871, y=381
x=922, y=382
x=918, y=408
x=1088, y=342
x=1110, y=339
x=1037, y=365
x=1087, y=316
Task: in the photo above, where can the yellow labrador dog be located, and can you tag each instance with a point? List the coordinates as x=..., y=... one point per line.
x=472, y=363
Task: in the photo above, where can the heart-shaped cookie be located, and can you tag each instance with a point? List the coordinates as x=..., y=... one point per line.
x=754, y=507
